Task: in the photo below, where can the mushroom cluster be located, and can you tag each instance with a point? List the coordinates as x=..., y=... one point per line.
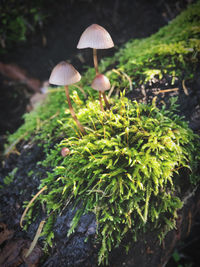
x=64, y=74
x=96, y=37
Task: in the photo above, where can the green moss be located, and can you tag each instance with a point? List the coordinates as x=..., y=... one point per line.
x=125, y=169
x=174, y=49
x=10, y=177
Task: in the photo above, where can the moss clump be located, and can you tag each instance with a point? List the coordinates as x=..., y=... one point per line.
x=123, y=170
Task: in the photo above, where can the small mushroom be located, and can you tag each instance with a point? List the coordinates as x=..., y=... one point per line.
x=65, y=151
x=101, y=83
x=96, y=37
x=65, y=74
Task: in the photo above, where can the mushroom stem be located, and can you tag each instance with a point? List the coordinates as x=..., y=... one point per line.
x=97, y=72
x=101, y=104
x=95, y=60
x=106, y=100
x=80, y=126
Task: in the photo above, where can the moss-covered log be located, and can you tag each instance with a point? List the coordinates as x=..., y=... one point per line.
x=133, y=179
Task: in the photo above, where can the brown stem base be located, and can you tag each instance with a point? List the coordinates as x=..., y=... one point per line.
x=106, y=100
x=101, y=104
x=80, y=126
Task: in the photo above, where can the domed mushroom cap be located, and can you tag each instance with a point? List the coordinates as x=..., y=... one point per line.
x=64, y=74
x=95, y=36
x=65, y=151
x=101, y=83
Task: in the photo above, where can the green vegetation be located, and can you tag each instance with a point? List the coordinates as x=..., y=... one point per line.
x=10, y=177
x=18, y=20
x=174, y=50
x=123, y=170
x=126, y=168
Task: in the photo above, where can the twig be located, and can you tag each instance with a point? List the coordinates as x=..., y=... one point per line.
x=166, y=91
x=185, y=88
x=129, y=80
x=111, y=90
x=34, y=242
x=29, y=204
x=143, y=91
x=123, y=74
x=117, y=72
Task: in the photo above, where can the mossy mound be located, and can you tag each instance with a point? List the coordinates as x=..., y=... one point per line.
x=123, y=170
x=126, y=168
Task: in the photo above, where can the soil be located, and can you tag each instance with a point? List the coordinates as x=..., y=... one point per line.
x=55, y=41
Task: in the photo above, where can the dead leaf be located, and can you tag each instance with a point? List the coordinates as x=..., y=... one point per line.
x=12, y=255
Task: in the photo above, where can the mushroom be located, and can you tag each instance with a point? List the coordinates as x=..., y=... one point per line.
x=65, y=151
x=101, y=83
x=96, y=37
x=65, y=74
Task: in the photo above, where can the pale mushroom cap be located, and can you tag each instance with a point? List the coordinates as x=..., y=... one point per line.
x=65, y=151
x=95, y=36
x=101, y=83
x=64, y=74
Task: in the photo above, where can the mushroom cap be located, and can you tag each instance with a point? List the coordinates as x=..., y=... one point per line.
x=101, y=83
x=65, y=151
x=95, y=36
x=64, y=74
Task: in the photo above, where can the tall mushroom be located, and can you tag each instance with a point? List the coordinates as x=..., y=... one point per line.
x=65, y=74
x=96, y=37
x=101, y=84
